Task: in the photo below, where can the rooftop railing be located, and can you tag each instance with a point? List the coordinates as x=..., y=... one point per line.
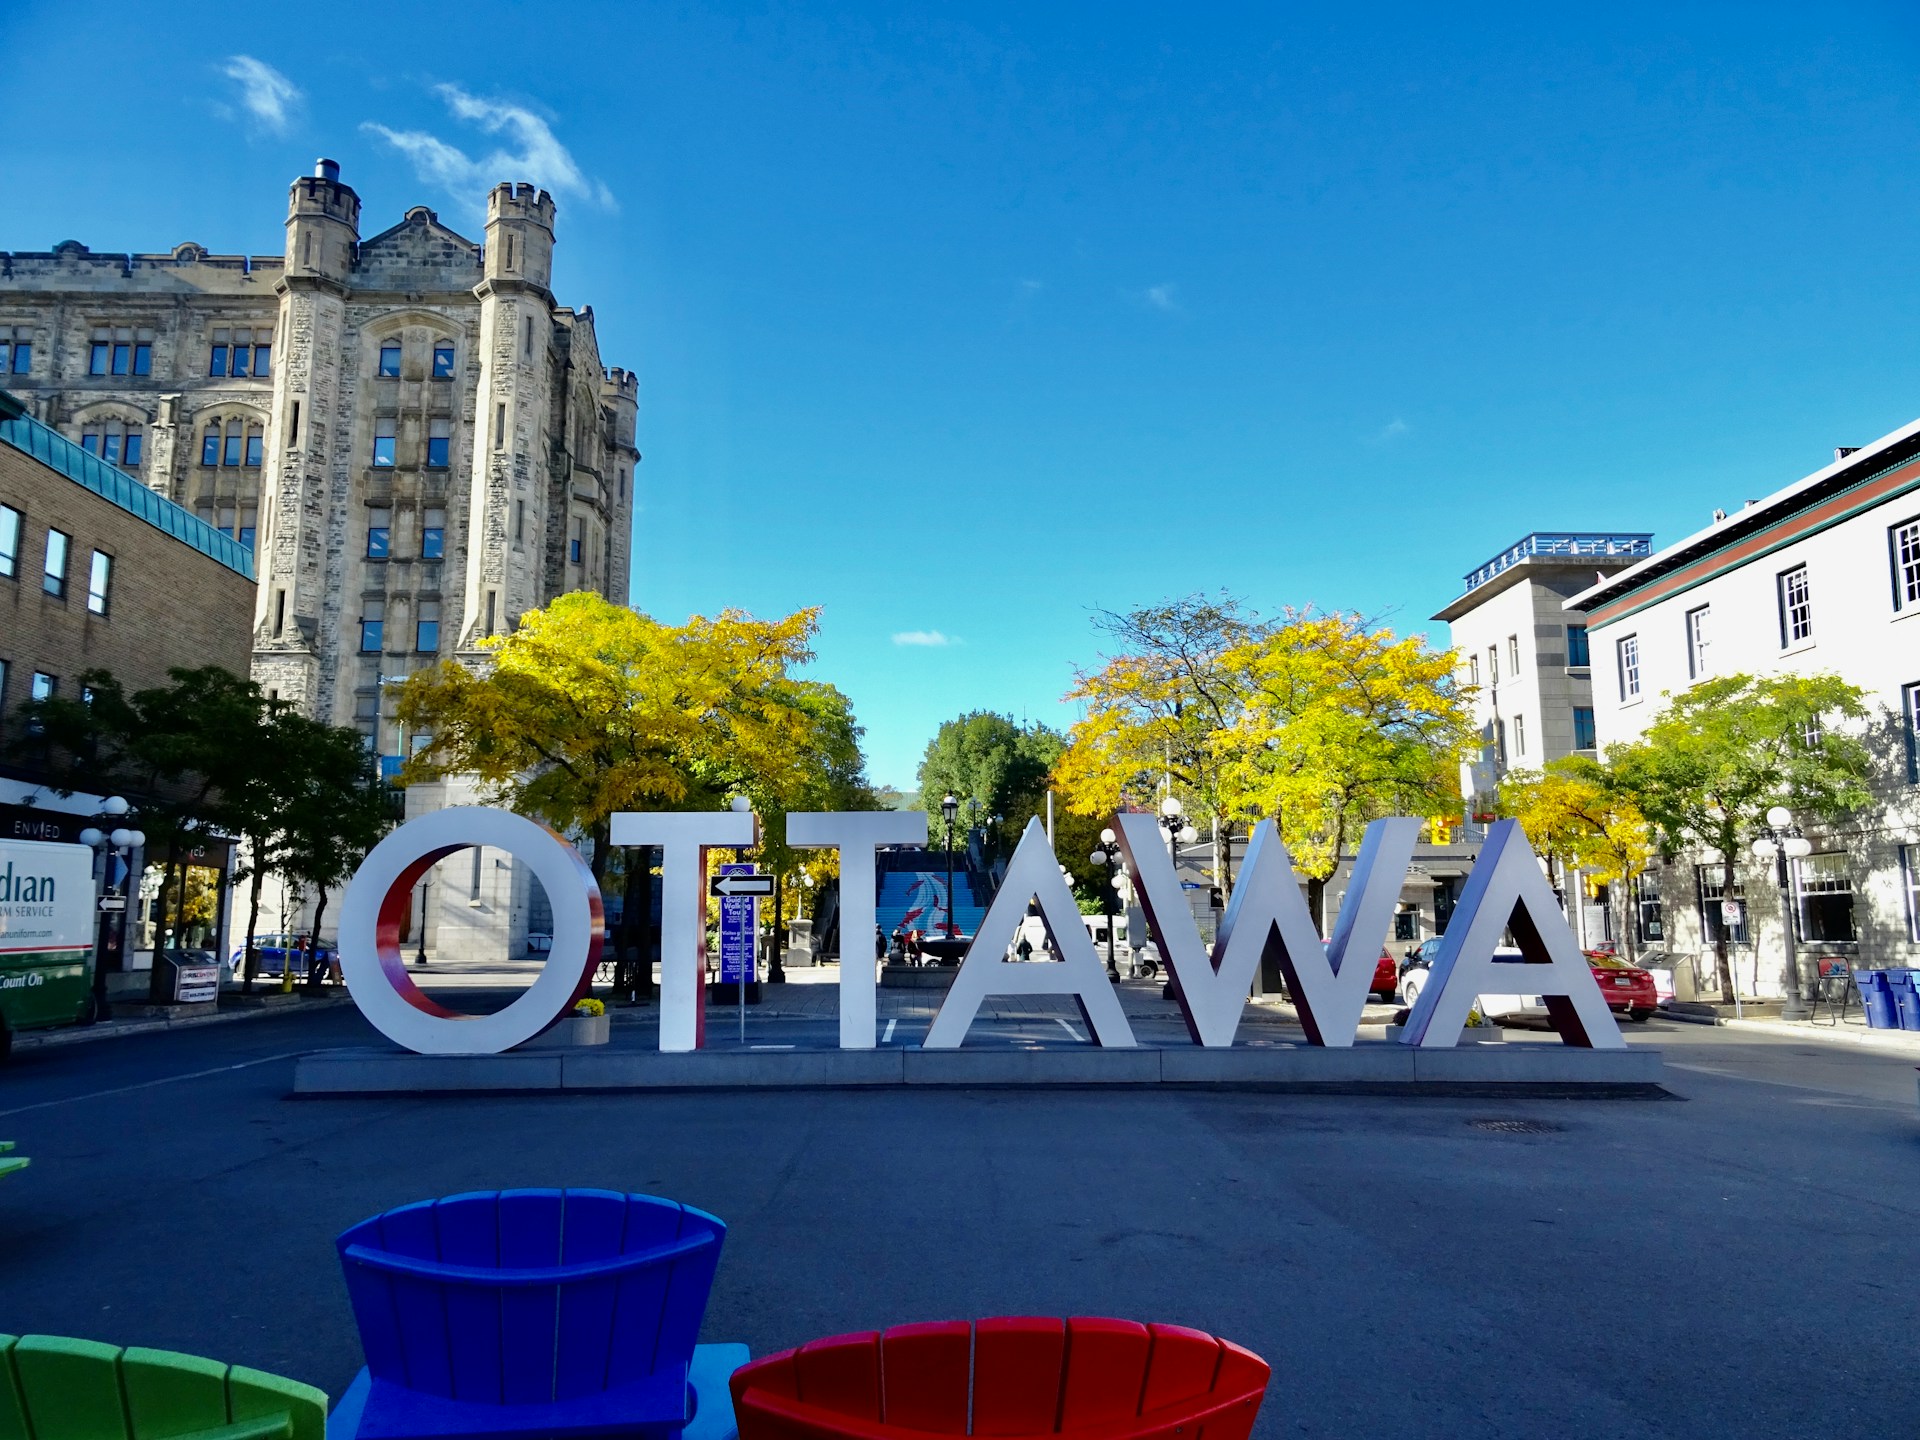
x=1626, y=546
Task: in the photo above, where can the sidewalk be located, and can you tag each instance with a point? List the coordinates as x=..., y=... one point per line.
x=1762, y=1017
x=118, y=1027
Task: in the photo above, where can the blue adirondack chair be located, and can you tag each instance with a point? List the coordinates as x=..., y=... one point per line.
x=529, y=1313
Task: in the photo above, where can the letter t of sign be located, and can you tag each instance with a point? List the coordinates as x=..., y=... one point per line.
x=857, y=836
x=683, y=840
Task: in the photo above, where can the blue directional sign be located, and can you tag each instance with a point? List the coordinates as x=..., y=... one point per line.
x=739, y=931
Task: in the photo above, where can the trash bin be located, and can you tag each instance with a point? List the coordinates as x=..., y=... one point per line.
x=1906, y=999
x=1876, y=999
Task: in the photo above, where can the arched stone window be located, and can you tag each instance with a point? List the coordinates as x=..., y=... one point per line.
x=116, y=433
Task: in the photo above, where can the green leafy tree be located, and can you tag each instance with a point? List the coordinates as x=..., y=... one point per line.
x=335, y=806
x=1717, y=756
x=993, y=767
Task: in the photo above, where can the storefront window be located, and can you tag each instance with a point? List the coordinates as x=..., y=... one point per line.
x=1825, y=887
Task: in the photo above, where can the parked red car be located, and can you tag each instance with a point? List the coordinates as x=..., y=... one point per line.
x=1627, y=989
x=1386, y=978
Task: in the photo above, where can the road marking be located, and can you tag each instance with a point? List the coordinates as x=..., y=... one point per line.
x=1069, y=1029
x=770, y=1047
x=149, y=1084
x=886, y=1036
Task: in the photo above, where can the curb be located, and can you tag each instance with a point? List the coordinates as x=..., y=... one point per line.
x=1865, y=1040
x=117, y=1030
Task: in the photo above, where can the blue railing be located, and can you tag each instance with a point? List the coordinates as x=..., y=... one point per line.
x=113, y=484
x=1569, y=546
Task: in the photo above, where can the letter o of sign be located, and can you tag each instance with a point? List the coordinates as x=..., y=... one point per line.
x=376, y=902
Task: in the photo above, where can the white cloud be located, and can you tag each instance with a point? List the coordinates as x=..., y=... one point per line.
x=529, y=151
x=1389, y=432
x=1160, y=297
x=268, y=96
x=923, y=637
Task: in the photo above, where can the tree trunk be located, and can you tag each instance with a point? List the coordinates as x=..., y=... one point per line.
x=250, y=962
x=1317, y=901
x=1725, y=931
x=635, y=983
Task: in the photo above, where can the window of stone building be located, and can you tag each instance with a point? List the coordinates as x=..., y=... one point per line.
x=1577, y=651
x=45, y=686
x=1709, y=881
x=245, y=533
x=233, y=443
x=1493, y=664
x=9, y=542
x=373, y=615
x=579, y=539
x=53, y=576
x=390, y=360
x=519, y=521
x=443, y=360
x=117, y=442
x=499, y=427
x=242, y=354
x=16, y=350
x=433, y=534
x=256, y=445
x=1583, y=732
x=385, y=442
x=120, y=350
x=379, y=534
x=1909, y=695
x=1909, y=874
x=1825, y=886
x=1513, y=654
x=426, y=638
x=3, y=687
x=99, y=582
x=439, y=443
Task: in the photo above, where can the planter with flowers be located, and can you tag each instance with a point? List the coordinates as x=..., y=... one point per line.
x=587, y=1025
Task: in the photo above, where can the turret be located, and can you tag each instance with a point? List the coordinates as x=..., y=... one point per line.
x=520, y=234
x=323, y=224
x=620, y=393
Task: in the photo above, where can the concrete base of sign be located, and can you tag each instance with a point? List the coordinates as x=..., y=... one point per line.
x=918, y=977
x=1366, y=1068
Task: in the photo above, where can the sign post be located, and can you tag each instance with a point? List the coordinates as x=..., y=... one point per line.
x=737, y=886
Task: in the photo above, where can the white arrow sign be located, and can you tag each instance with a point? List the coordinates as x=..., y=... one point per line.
x=742, y=885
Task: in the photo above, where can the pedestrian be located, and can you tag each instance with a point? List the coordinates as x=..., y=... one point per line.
x=914, y=952
x=900, y=944
x=1025, y=947
x=879, y=943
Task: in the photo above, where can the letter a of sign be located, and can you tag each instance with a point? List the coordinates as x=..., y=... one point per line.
x=1329, y=983
x=1032, y=872
x=1507, y=889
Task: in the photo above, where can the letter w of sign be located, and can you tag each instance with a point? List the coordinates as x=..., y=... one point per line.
x=1328, y=982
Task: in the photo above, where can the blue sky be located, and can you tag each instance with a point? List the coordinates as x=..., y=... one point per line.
x=965, y=322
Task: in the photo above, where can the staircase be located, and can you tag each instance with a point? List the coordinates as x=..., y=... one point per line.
x=913, y=894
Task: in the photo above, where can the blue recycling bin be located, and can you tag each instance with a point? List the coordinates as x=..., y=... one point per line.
x=1876, y=998
x=1906, y=998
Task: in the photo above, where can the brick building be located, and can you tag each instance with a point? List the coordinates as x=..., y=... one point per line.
x=97, y=572
x=416, y=441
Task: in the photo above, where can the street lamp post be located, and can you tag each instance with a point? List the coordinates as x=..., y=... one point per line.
x=1107, y=860
x=1179, y=832
x=121, y=842
x=420, y=950
x=1783, y=842
x=949, y=807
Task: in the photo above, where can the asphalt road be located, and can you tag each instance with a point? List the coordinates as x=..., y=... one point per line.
x=1733, y=1262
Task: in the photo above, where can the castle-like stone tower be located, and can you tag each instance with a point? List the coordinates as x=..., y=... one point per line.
x=417, y=441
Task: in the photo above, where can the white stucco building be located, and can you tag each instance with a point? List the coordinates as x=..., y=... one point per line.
x=1820, y=577
x=1525, y=657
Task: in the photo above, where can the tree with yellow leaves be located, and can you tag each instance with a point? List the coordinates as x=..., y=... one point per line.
x=589, y=708
x=1156, y=713
x=1342, y=723
x=1577, y=817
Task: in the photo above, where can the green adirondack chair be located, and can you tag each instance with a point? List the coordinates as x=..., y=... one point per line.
x=12, y=1162
x=60, y=1389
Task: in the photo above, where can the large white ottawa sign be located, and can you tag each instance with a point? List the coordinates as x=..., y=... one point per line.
x=1328, y=980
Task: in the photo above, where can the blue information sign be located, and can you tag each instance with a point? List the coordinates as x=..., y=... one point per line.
x=739, y=931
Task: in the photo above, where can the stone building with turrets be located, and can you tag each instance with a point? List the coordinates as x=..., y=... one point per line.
x=417, y=441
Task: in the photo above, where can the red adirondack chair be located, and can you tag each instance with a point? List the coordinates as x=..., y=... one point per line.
x=1085, y=1378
